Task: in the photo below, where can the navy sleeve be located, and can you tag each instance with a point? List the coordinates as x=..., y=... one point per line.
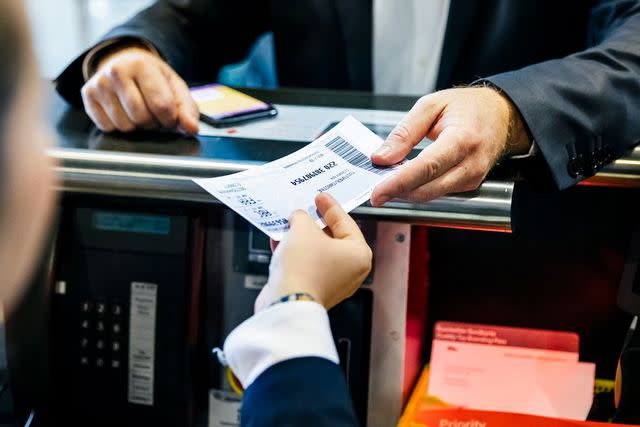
x=307, y=391
x=582, y=110
x=196, y=37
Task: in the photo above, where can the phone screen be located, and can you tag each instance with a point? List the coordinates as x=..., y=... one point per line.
x=219, y=102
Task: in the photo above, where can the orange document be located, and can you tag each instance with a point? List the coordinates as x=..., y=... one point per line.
x=425, y=411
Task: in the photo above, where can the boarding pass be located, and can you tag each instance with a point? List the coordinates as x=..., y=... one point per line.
x=338, y=162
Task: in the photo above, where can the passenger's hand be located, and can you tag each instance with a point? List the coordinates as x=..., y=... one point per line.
x=135, y=89
x=472, y=128
x=330, y=266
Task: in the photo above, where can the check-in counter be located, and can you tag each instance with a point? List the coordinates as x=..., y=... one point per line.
x=162, y=165
x=131, y=218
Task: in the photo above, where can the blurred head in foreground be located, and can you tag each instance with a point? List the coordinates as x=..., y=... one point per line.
x=26, y=180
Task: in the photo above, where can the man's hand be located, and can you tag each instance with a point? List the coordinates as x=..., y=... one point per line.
x=471, y=129
x=329, y=265
x=135, y=89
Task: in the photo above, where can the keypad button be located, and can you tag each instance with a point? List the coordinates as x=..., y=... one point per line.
x=85, y=306
x=100, y=362
x=84, y=324
x=116, y=310
x=84, y=342
x=101, y=308
x=115, y=364
x=116, y=328
x=84, y=361
x=115, y=346
x=100, y=344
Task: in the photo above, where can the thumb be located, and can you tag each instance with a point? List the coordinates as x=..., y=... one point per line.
x=408, y=133
x=301, y=222
x=188, y=112
x=342, y=226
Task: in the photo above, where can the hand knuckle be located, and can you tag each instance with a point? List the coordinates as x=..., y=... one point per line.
x=429, y=169
x=402, y=185
x=164, y=109
x=473, y=141
x=102, y=82
x=138, y=113
x=138, y=61
x=400, y=132
x=425, y=101
x=118, y=71
x=88, y=92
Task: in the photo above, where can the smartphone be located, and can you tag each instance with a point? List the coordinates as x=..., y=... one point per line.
x=221, y=106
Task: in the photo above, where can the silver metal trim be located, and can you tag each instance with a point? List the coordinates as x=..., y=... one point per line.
x=170, y=178
x=624, y=172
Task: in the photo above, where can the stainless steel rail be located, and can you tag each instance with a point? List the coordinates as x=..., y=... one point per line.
x=169, y=177
x=624, y=172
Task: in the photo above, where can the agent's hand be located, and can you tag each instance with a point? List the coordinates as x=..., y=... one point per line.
x=135, y=89
x=329, y=266
x=471, y=129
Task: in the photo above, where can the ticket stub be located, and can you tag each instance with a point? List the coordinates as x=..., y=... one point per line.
x=338, y=162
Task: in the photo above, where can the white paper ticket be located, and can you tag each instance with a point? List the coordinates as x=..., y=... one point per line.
x=339, y=163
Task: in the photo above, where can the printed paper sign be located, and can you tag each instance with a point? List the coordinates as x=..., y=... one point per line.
x=339, y=163
x=515, y=370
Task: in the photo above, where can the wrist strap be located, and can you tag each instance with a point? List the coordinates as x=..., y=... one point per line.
x=296, y=296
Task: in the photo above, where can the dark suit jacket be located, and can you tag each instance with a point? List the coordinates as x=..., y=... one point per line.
x=572, y=68
x=308, y=391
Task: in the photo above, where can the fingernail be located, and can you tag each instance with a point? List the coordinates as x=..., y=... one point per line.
x=382, y=151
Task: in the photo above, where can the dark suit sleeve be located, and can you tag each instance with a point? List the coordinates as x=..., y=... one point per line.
x=583, y=110
x=307, y=391
x=196, y=37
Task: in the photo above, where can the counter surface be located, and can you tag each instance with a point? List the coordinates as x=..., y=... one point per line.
x=161, y=164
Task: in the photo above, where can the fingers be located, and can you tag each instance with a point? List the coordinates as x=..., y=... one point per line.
x=132, y=92
x=461, y=178
x=112, y=107
x=409, y=131
x=133, y=104
x=449, y=149
x=158, y=95
x=135, y=89
x=188, y=112
x=342, y=226
x=97, y=115
x=301, y=222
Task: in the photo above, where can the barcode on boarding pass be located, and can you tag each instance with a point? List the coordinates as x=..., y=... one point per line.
x=354, y=156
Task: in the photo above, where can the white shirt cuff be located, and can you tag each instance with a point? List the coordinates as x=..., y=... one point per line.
x=281, y=332
x=533, y=150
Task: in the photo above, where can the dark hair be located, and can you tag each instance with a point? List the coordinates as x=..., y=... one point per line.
x=13, y=40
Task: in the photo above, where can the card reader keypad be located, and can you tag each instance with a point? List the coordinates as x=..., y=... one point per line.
x=102, y=338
